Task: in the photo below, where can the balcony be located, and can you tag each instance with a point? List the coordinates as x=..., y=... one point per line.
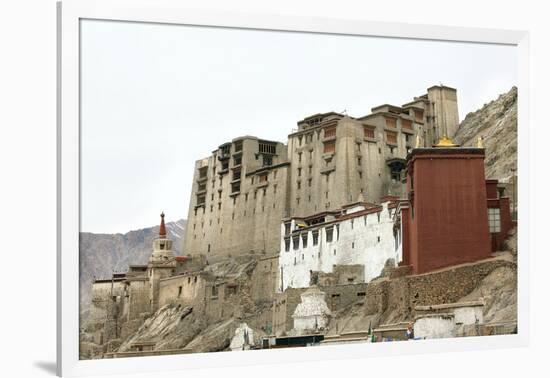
x=224, y=156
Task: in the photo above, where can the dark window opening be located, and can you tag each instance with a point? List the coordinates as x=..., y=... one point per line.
x=329, y=233
x=287, y=228
x=295, y=242
x=315, y=235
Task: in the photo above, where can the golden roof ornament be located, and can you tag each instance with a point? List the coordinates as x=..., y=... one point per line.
x=480, y=142
x=445, y=142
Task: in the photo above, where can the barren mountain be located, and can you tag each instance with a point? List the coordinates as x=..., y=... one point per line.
x=101, y=254
x=496, y=123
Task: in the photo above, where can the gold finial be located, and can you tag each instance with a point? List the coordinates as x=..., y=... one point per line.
x=480, y=142
x=445, y=142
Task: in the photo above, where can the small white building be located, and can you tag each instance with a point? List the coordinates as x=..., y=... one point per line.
x=447, y=319
x=243, y=339
x=465, y=313
x=312, y=314
x=360, y=233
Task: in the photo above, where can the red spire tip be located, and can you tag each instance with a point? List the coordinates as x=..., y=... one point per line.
x=162, y=230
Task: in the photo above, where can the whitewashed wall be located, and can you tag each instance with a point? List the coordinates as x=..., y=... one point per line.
x=434, y=326
x=304, y=325
x=468, y=315
x=355, y=244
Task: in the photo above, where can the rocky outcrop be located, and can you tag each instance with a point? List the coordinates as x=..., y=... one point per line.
x=496, y=122
x=187, y=328
x=499, y=293
x=171, y=327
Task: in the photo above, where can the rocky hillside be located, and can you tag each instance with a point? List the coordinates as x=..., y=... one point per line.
x=496, y=122
x=101, y=254
x=175, y=326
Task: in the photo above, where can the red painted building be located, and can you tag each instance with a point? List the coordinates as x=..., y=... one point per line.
x=453, y=215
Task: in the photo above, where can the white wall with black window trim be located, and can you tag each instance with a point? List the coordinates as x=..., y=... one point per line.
x=366, y=239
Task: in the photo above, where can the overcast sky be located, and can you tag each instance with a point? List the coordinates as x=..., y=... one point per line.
x=155, y=98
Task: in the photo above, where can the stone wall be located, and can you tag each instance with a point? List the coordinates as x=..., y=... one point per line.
x=138, y=298
x=341, y=275
x=106, y=307
x=264, y=278
x=398, y=297
x=185, y=289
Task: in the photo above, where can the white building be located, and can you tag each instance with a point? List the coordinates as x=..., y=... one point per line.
x=360, y=233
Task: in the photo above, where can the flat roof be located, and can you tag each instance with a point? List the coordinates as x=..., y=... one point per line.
x=442, y=87
x=425, y=151
x=320, y=115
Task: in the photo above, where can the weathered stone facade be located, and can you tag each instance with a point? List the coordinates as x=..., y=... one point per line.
x=242, y=191
x=238, y=198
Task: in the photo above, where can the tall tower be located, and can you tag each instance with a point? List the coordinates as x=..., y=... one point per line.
x=238, y=198
x=443, y=111
x=162, y=264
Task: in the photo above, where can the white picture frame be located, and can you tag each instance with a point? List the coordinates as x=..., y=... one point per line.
x=172, y=12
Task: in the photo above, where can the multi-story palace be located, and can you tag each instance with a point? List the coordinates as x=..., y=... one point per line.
x=242, y=191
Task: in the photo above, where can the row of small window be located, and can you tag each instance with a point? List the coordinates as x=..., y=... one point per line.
x=329, y=231
x=233, y=216
x=309, y=196
x=201, y=198
x=226, y=148
x=352, y=222
x=368, y=132
x=315, y=234
x=391, y=137
x=267, y=160
x=319, y=253
x=296, y=241
x=328, y=132
x=405, y=123
x=263, y=147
